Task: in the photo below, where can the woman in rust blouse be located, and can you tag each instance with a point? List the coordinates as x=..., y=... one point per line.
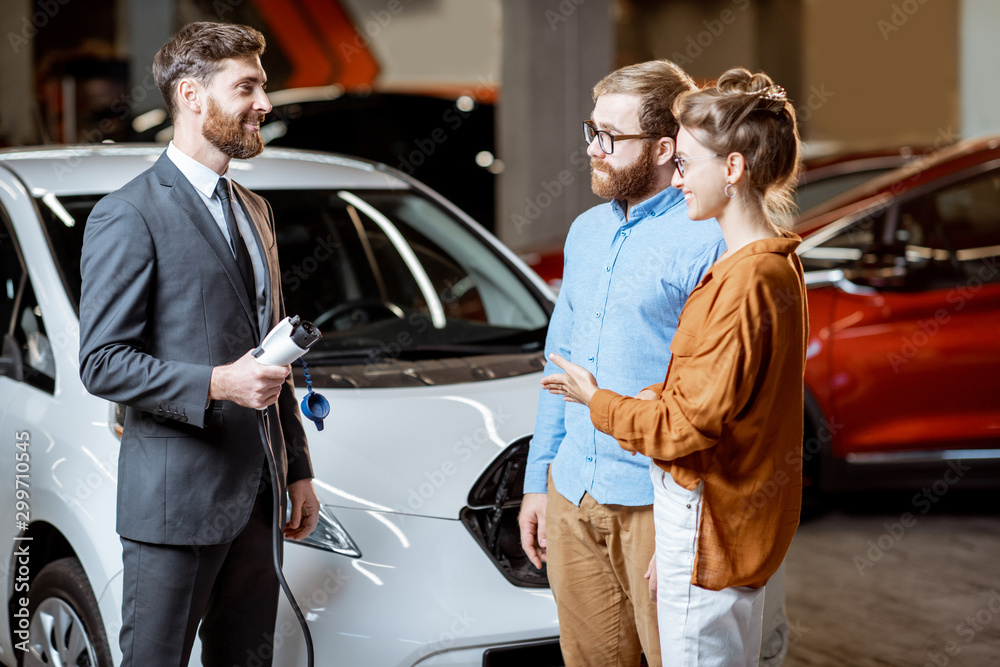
x=724, y=429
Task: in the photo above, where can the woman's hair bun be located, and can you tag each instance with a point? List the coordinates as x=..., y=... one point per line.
x=739, y=81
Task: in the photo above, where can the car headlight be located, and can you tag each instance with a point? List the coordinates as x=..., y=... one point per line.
x=330, y=536
x=491, y=517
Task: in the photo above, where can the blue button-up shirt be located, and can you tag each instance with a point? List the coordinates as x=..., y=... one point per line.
x=624, y=285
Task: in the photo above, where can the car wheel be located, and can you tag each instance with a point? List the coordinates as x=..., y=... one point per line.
x=65, y=626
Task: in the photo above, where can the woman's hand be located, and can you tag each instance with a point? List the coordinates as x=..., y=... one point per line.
x=651, y=575
x=576, y=385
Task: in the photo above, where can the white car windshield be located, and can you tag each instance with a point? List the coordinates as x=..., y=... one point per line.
x=371, y=267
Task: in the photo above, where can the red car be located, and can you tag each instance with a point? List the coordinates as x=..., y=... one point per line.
x=903, y=371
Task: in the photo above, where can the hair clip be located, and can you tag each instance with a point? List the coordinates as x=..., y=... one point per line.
x=774, y=97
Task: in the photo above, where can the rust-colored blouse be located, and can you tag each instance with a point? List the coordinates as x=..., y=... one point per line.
x=729, y=413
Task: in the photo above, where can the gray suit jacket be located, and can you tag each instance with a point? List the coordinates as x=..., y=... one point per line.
x=162, y=303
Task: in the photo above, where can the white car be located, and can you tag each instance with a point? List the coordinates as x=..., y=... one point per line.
x=431, y=355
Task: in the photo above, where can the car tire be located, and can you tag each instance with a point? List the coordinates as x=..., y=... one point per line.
x=814, y=451
x=65, y=626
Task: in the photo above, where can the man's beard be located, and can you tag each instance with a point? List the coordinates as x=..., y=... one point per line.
x=632, y=182
x=229, y=135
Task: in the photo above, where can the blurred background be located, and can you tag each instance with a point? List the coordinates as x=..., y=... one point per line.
x=482, y=99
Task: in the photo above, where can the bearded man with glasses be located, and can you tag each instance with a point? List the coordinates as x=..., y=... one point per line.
x=630, y=265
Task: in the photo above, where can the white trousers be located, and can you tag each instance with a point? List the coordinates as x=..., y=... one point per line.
x=698, y=627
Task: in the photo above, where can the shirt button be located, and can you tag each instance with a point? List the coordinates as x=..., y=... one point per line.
x=624, y=234
x=591, y=458
x=590, y=358
x=607, y=268
x=689, y=506
x=597, y=314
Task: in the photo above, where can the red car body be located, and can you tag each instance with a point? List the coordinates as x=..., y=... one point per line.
x=903, y=364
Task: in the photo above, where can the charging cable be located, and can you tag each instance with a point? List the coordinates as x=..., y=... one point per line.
x=277, y=535
x=286, y=342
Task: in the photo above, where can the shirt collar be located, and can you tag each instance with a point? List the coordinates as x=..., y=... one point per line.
x=660, y=203
x=201, y=177
x=781, y=245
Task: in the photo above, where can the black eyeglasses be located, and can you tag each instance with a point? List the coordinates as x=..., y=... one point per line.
x=681, y=162
x=605, y=139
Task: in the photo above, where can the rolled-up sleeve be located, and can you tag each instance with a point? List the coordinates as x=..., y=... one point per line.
x=711, y=379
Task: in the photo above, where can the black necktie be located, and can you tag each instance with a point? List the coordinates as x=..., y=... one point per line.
x=238, y=245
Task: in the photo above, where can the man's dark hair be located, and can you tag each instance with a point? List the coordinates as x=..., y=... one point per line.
x=198, y=51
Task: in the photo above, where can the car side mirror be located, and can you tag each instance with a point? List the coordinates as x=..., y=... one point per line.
x=11, y=363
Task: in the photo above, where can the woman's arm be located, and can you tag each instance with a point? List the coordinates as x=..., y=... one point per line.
x=714, y=377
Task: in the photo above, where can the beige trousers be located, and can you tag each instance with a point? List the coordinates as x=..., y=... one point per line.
x=597, y=556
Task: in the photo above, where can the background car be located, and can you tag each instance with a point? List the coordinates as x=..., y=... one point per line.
x=829, y=172
x=903, y=369
x=431, y=356
x=445, y=142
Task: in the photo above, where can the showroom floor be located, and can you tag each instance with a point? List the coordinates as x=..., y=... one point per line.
x=877, y=582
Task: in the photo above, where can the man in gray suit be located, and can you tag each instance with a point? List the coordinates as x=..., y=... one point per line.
x=179, y=284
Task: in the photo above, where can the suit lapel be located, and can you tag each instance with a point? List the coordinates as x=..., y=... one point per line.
x=183, y=194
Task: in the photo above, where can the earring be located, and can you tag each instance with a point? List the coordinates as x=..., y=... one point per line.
x=728, y=193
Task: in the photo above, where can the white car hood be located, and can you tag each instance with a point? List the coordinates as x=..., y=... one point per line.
x=416, y=450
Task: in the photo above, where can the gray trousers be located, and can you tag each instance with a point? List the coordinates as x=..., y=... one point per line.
x=230, y=588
